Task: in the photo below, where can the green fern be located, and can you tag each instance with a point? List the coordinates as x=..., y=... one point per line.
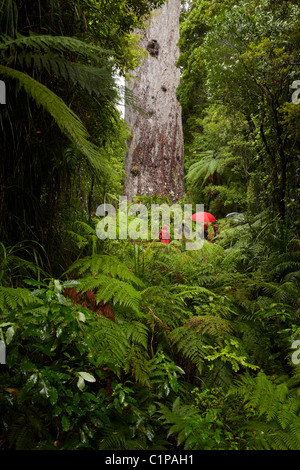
x=178, y=418
x=26, y=429
x=212, y=325
x=112, y=290
x=109, y=342
x=123, y=347
x=164, y=306
x=190, y=344
x=13, y=298
x=204, y=168
x=105, y=264
x=45, y=42
x=138, y=363
x=114, y=437
x=278, y=426
x=65, y=118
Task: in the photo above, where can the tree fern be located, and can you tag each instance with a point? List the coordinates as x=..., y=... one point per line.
x=204, y=168
x=64, y=117
x=95, y=80
x=48, y=53
x=44, y=42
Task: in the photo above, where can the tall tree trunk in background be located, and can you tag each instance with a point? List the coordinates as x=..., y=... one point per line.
x=154, y=161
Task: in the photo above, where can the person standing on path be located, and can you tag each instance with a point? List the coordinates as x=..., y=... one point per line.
x=164, y=235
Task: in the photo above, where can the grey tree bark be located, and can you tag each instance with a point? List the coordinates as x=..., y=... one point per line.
x=154, y=161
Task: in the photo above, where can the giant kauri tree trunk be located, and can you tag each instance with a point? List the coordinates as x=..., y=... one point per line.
x=154, y=161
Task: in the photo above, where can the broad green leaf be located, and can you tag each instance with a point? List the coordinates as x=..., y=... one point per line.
x=80, y=384
x=87, y=376
x=65, y=423
x=9, y=334
x=53, y=395
x=81, y=317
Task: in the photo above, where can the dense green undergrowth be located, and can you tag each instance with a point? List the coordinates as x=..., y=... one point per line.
x=129, y=345
x=153, y=347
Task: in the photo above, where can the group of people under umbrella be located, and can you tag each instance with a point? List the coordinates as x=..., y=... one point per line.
x=204, y=217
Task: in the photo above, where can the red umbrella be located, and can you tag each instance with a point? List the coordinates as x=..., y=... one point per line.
x=205, y=217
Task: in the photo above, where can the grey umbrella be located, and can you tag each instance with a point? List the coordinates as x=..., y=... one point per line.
x=236, y=216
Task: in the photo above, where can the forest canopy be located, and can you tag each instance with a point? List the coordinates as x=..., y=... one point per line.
x=239, y=62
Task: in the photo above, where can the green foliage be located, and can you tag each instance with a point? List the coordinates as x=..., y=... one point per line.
x=238, y=61
x=191, y=353
x=134, y=345
x=274, y=412
x=207, y=424
x=14, y=265
x=64, y=137
x=63, y=116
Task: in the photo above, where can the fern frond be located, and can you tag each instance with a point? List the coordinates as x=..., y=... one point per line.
x=64, y=117
x=106, y=264
x=168, y=308
x=177, y=419
x=204, y=168
x=212, y=325
x=281, y=293
x=44, y=42
x=25, y=430
x=108, y=340
x=114, y=437
x=137, y=333
x=138, y=362
x=279, y=425
x=269, y=436
x=189, y=343
x=113, y=290
x=96, y=80
x=12, y=298
x=183, y=291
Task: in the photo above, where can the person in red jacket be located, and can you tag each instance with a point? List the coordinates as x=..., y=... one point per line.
x=164, y=235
